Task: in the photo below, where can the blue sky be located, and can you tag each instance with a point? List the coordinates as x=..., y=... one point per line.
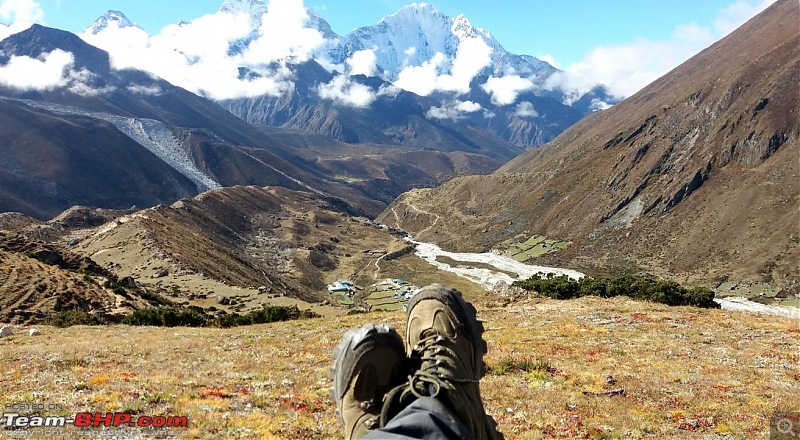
x=566, y=30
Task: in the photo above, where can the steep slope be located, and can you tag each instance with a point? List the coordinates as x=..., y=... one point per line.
x=50, y=163
x=696, y=175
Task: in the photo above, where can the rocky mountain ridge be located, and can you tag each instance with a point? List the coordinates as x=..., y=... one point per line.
x=695, y=177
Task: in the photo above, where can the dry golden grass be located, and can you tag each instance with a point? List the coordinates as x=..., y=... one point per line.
x=685, y=372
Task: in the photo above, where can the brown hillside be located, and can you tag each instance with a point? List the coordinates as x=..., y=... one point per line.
x=39, y=279
x=291, y=243
x=697, y=174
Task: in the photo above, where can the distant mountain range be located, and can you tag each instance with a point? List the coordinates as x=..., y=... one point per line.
x=402, y=111
x=101, y=135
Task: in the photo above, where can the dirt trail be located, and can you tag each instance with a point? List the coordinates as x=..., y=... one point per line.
x=408, y=201
x=378, y=267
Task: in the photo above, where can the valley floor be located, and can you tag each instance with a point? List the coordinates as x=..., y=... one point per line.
x=586, y=368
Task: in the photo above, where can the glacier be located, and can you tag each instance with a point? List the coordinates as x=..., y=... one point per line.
x=153, y=135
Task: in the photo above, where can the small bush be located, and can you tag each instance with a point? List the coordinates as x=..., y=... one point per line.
x=324, y=218
x=154, y=298
x=165, y=317
x=172, y=317
x=68, y=318
x=514, y=364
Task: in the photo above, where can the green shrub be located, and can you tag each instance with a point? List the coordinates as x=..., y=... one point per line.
x=68, y=318
x=154, y=298
x=165, y=317
x=172, y=317
x=515, y=364
x=264, y=315
x=641, y=288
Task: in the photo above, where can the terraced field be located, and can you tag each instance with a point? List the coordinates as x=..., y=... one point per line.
x=534, y=247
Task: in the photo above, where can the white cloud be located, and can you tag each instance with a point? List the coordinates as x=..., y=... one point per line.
x=505, y=89
x=330, y=66
x=26, y=11
x=283, y=35
x=205, y=37
x=79, y=83
x=363, y=62
x=21, y=14
x=549, y=59
x=599, y=105
x=453, y=112
x=196, y=55
x=737, y=13
x=389, y=89
x=624, y=69
x=140, y=89
x=9, y=30
x=420, y=79
x=49, y=71
x=410, y=51
x=343, y=90
x=525, y=110
x=472, y=55
x=627, y=68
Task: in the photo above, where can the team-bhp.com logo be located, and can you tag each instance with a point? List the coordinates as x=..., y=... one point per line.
x=93, y=420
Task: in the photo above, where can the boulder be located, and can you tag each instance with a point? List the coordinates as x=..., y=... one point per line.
x=5, y=331
x=34, y=332
x=128, y=282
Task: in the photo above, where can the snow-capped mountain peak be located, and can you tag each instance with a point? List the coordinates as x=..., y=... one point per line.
x=235, y=6
x=462, y=28
x=111, y=19
x=416, y=33
x=254, y=8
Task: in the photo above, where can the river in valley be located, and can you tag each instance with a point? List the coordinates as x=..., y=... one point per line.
x=489, y=269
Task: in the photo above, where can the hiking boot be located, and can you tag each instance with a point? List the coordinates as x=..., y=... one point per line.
x=445, y=345
x=367, y=363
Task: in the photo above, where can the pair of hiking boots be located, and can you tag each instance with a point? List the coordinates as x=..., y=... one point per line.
x=376, y=373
